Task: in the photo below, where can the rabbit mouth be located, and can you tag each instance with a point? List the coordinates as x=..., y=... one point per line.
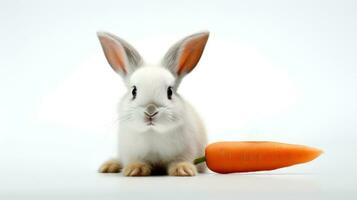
x=149, y=121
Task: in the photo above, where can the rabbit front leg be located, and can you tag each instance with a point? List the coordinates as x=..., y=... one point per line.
x=137, y=168
x=181, y=169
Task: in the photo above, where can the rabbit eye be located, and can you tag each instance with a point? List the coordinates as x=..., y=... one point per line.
x=169, y=92
x=133, y=92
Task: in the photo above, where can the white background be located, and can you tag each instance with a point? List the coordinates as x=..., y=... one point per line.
x=272, y=70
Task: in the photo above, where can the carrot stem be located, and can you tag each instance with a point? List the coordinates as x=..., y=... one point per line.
x=199, y=160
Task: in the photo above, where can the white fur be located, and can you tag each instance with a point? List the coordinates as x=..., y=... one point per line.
x=177, y=133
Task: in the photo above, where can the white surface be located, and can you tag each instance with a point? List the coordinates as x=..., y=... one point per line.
x=278, y=70
x=67, y=173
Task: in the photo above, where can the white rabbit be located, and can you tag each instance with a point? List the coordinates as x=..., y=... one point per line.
x=158, y=129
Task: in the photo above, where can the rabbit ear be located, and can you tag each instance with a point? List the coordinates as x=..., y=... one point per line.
x=122, y=57
x=182, y=57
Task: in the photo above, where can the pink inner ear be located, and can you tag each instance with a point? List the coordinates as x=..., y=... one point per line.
x=114, y=53
x=191, y=54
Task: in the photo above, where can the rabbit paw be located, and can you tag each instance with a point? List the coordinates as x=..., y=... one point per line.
x=110, y=166
x=182, y=169
x=137, y=169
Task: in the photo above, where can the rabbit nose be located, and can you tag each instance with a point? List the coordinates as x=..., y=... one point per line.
x=151, y=110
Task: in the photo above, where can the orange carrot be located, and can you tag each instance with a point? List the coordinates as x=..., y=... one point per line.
x=230, y=157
